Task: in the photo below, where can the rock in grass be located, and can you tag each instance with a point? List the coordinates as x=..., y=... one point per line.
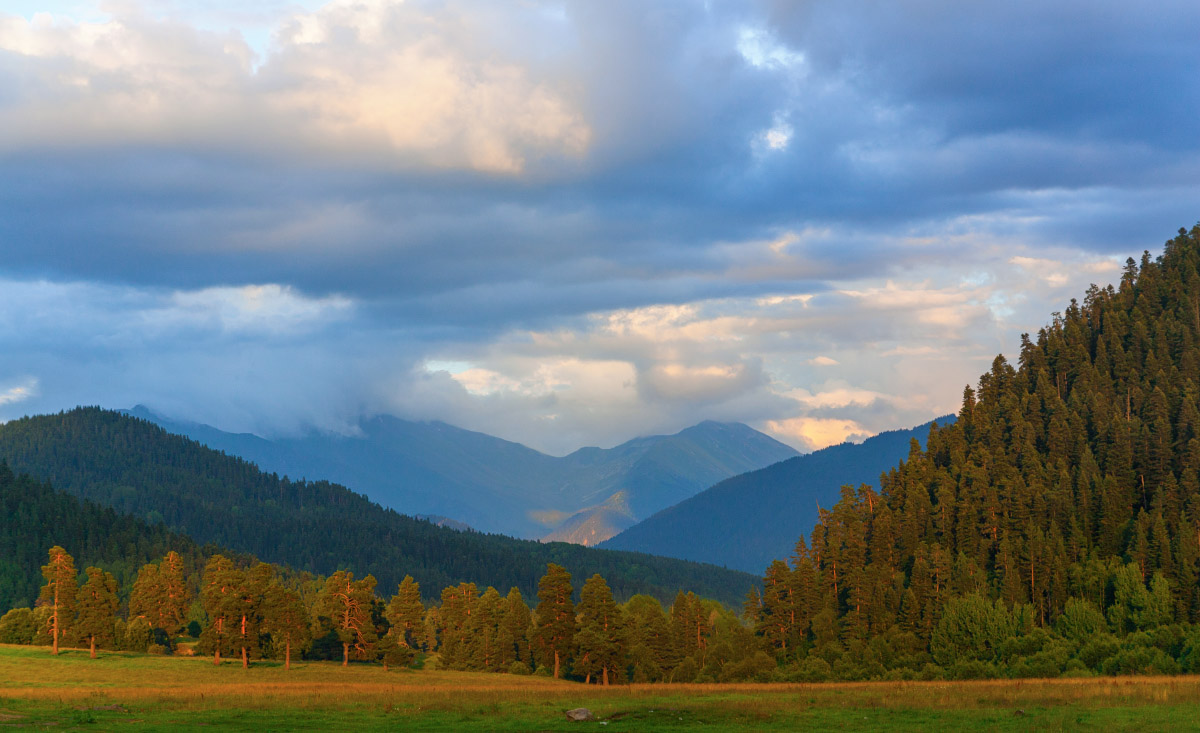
x=580, y=714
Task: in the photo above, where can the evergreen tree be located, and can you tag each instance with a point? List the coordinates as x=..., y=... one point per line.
x=219, y=595
x=600, y=640
x=97, y=610
x=406, y=613
x=58, y=595
x=286, y=619
x=515, y=622
x=347, y=602
x=554, y=632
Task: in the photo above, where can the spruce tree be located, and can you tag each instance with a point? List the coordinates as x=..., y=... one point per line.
x=406, y=613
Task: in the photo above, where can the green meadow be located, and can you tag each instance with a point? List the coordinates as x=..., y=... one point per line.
x=121, y=691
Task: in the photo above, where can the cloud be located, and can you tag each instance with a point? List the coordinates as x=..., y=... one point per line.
x=27, y=388
x=373, y=82
x=571, y=222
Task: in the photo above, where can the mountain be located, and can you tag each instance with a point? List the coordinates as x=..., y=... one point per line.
x=138, y=468
x=749, y=520
x=495, y=485
x=595, y=524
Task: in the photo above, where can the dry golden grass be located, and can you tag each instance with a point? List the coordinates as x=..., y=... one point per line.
x=194, y=684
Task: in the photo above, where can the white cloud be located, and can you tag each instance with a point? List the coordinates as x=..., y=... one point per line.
x=380, y=82
x=20, y=392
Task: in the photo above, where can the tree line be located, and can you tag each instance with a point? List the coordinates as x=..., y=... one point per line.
x=252, y=611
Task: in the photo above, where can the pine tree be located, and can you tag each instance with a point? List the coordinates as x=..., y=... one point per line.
x=58, y=595
x=248, y=611
x=286, y=619
x=160, y=594
x=97, y=610
x=219, y=595
x=555, y=631
x=347, y=604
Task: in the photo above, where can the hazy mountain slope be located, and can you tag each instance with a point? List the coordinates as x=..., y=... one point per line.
x=138, y=468
x=749, y=520
x=595, y=524
x=496, y=485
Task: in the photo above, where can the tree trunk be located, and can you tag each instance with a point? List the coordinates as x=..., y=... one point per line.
x=217, y=656
x=605, y=676
x=55, y=626
x=588, y=680
x=245, y=659
x=555, y=664
x=345, y=655
x=287, y=655
x=93, y=643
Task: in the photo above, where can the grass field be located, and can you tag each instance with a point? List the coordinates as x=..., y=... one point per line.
x=134, y=692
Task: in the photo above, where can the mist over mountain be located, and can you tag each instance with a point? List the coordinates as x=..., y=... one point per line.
x=495, y=485
x=747, y=521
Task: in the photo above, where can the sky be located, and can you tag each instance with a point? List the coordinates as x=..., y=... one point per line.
x=570, y=223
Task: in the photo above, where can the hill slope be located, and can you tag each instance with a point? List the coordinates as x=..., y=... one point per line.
x=746, y=521
x=34, y=517
x=1069, y=487
x=137, y=468
x=496, y=485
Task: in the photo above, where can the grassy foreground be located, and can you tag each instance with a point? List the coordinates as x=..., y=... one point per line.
x=122, y=691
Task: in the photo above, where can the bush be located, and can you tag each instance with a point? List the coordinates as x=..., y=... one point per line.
x=158, y=649
x=138, y=635
x=1080, y=620
x=687, y=671
x=1097, y=650
x=971, y=669
x=519, y=668
x=972, y=628
x=18, y=626
x=810, y=669
x=1140, y=660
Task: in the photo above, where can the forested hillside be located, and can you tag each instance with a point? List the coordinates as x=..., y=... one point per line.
x=137, y=468
x=746, y=521
x=1066, y=497
x=35, y=517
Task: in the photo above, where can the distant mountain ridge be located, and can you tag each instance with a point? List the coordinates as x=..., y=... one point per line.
x=747, y=521
x=495, y=485
x=137, y=468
